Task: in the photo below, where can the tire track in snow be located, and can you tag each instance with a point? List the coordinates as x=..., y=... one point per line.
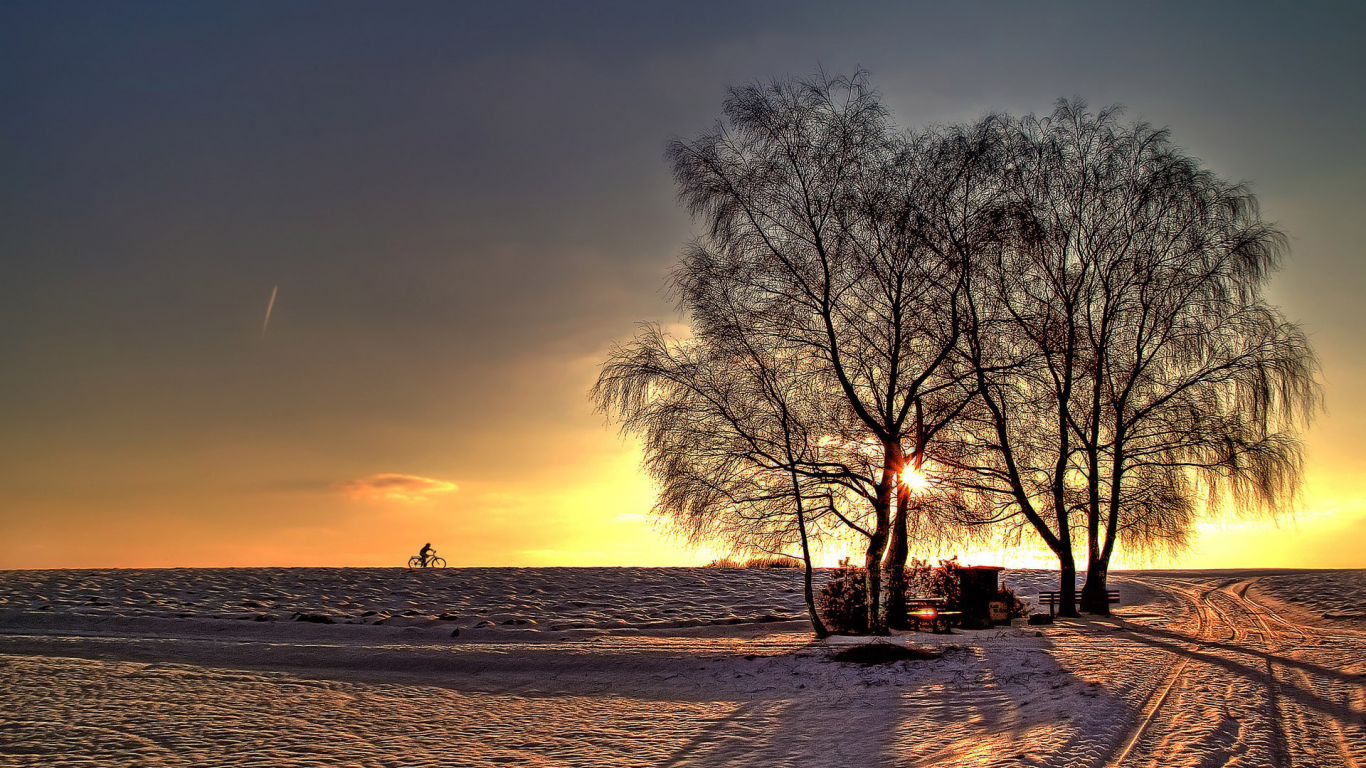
x=1154, y=703
x=1307, y=721
x=1301, y=731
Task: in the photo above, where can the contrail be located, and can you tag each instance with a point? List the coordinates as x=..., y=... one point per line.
x=269, y=307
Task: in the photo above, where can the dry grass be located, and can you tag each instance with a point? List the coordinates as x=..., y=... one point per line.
x=755, y=562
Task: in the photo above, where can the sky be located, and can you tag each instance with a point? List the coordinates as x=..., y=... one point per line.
x=459, y=207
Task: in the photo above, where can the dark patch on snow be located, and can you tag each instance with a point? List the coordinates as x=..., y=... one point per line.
x=883, y=653
x=314, y=618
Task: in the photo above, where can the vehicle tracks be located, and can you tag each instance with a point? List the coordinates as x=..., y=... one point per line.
x=1286, y=704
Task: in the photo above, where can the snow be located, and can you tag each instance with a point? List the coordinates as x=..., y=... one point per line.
x=1339, y=597
x=1197, y=668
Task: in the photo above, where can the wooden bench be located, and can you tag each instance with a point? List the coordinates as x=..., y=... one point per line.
x=1054, y=598
x=933, y=620
x=922, y=612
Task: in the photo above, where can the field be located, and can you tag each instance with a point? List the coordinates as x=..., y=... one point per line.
x=661, y=667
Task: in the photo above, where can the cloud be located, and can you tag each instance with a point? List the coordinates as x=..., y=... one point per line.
x=395, y=487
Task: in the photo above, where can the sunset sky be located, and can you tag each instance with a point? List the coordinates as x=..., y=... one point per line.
x=464, y=204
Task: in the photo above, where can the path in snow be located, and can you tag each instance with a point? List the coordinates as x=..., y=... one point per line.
x=1247, y=686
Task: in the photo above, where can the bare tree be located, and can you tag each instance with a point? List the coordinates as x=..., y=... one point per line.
x=1127, y=365
x=947, y=197
x=1196, y=386
x=1061, y=315
x=810, y=206
x=729, y=431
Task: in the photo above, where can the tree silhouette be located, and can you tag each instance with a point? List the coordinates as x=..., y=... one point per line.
x=810, y=201
x=1061, y=316
x=1128, y=368
x=729, y=432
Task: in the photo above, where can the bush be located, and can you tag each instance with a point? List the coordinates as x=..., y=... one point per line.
x=925, y=580
x=843, y=600
x=1015, y=607
x=755, y=562
x=772, y=562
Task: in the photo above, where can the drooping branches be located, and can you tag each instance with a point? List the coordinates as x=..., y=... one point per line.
x=1060, y=317
x=1129, y=371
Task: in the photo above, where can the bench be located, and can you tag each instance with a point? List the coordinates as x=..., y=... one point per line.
x=1054, y=598
x=933, y=620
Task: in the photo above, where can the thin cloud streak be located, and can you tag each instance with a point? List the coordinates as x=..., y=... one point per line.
x=391, y=486
x=269, y=306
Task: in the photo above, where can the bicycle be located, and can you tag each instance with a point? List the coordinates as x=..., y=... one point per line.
x=433, y=561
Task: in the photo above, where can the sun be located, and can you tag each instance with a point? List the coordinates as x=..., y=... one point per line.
x=914, y=479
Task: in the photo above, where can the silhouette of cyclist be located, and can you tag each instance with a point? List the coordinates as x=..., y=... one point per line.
x=425, y=553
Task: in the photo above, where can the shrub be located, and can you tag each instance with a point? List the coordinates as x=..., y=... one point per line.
x=772, y=562
x=1015, y=607
x=755, y=562
x=723, y=562
x=843, y=600
x=925, y=580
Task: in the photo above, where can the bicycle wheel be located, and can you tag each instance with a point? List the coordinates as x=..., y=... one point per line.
x=438, y=562
x=414, y=562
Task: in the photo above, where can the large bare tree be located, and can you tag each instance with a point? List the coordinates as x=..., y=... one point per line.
x=810, y=203
x=1130, y=373
x=1061, y=315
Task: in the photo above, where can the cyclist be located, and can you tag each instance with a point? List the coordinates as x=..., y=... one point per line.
x=425, y=553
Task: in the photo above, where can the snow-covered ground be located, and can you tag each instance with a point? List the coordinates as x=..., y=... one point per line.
x=1339, y=597
x=534, y=598
x=538, y=599
x=658, y=667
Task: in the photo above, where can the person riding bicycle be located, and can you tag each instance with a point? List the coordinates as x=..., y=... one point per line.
x=425, y=553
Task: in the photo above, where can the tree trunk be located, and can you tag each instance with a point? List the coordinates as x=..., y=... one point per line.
x=1093, y=545
x=894, y=564
x=816, y=624
x=1067, y=585
x=1091, y=601
x=1094, y=594
x=872, y=561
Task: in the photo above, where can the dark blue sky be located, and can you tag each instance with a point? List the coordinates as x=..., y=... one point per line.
x=464, y=203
